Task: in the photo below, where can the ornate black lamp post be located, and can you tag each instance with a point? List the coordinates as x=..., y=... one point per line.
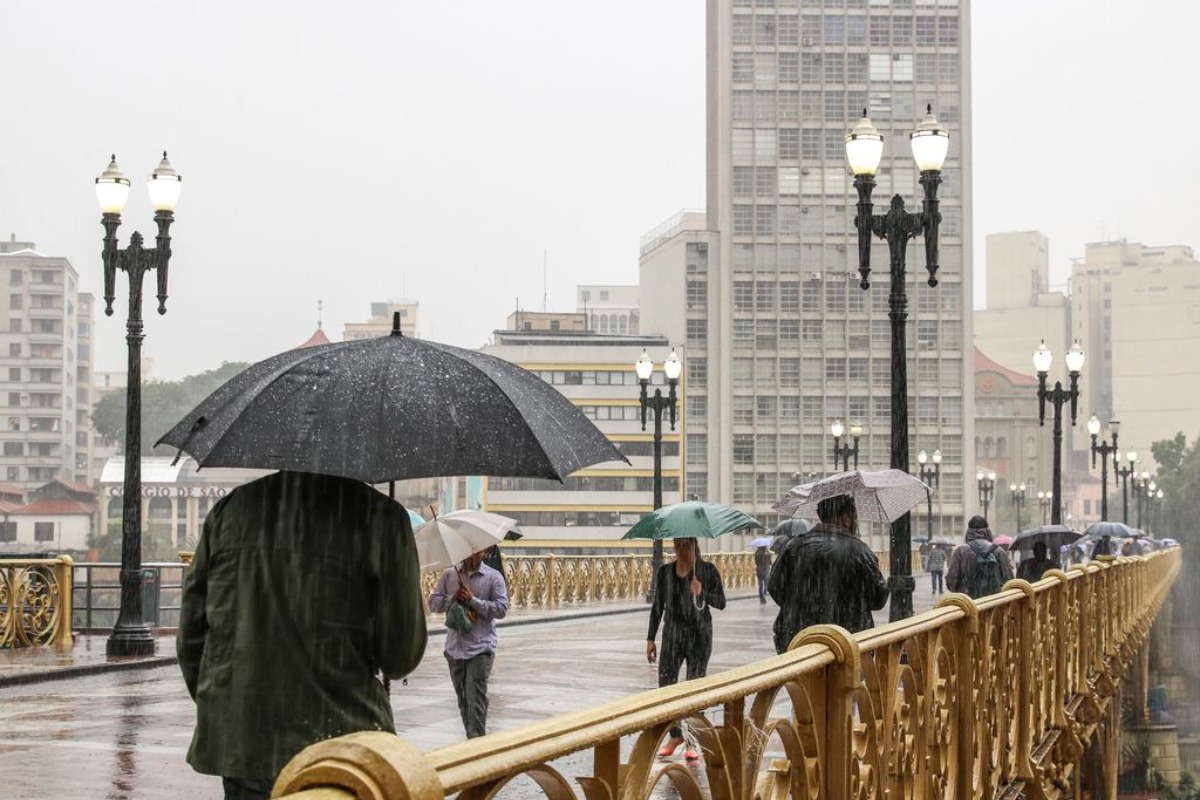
x=1042, y=358
x=987, y=487
x=1045, y=500
x=842, y=452
x=131, y=635
x=1017, y=493
x=864, y=149
x=1121, y=476
x=1157, y=513
x=658, y=403
x=1144, y=488
x=1104, y=449
x=931, y=476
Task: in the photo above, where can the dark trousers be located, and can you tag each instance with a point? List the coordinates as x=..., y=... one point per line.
x=938, y=586
x=239, y=789
x=470, y=679
x=690, y=646
x=762, y=588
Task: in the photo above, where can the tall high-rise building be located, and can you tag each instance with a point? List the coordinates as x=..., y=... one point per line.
x=1134, y=311
x=40, y=366
x=781, y=339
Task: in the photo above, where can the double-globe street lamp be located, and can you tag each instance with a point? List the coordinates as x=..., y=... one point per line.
x=864, y=150
x=131, y=635
x=1121, y=477
x=658, y=403
x=1042, y=359
x=1045, y=500
x=1144, y=487
x=932, y=477
x=841, y=451
x=1105, y=448
x=987, y=488
x=1017, y=493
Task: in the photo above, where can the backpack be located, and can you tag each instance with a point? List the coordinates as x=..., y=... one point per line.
x=987, y=577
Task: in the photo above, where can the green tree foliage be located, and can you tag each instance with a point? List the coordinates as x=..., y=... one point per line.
x=1179, y=479
x=164, y=403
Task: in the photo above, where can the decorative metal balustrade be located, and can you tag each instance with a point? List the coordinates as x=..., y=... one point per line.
x=547, y=581
x=1003, y=698
x=35, y=602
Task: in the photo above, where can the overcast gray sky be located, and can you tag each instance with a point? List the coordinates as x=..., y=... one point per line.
x=362, y=151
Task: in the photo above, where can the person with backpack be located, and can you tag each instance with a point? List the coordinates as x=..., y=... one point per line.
x=978, y=567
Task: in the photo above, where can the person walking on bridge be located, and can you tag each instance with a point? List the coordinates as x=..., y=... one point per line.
x=827, y=576
x=685, y=591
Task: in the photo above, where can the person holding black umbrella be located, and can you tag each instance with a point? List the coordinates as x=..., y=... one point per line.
x=303, y=590
x=685, y=592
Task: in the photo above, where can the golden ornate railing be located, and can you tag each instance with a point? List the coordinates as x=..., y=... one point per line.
x=551, y=580
x=35, y=602
x=968, y=700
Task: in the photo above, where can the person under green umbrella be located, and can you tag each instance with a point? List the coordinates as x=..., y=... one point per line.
x=685, y=591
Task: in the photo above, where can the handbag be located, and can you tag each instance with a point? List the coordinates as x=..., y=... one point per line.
x=458, y=616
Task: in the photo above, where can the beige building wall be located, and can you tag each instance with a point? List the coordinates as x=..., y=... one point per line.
x=790, y=342
x=1137, y=314
x=610, y=308
x=1018, y=269
x=380, y=323
x=1010, y=335
x=596, y=373
x=38, y=366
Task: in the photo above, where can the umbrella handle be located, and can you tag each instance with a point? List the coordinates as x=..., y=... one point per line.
x=697, y=602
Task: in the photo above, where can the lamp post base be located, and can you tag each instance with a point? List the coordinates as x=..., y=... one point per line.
x=133, y=640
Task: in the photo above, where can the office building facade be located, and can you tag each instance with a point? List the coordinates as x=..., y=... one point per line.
x=781, y=339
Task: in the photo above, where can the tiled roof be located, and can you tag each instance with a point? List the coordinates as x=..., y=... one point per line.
x=985, y=364
x=317, y=338
x=11, y=488
x=54, y=508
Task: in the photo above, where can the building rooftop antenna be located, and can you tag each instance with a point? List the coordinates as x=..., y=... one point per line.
x=320, y=306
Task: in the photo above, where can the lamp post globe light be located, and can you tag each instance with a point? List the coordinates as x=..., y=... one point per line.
x=1121, y=477
x=864, y=149
x=1017, y=494
x=931, y=476
x=131, y=635
x=1058, y=396
x=987, y=487
x=658, y=404
x=842, y=452
x=1106, y=448
x=1045, y=500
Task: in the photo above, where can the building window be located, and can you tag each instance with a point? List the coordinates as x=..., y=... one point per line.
x=697, y=371
x=743, y=448
x=43, y=531
x=15, y=300
x=16, y=278
x=14, y=448
x=743, y=410
x=697, y=448
x=14, y=349
x=697, y=331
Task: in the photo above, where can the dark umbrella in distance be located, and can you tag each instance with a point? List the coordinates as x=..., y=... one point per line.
x=1116, y=530
x=391, y=408
x=787, y=530
x=1054, y=537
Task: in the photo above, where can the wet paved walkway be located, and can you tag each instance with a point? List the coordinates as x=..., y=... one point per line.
x=124, y=735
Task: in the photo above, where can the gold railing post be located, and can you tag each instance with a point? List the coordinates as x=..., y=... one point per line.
x=551, y=582
x=65, y=577
x=1024, y=704
x=368, y=766
x=963, y=637
x=837, y=717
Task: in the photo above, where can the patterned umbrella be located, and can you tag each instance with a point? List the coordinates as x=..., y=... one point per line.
x=881, y=496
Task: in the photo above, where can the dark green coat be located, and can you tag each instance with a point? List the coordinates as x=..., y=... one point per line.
x=303, y=588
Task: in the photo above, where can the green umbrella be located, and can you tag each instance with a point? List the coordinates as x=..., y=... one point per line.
x=691, y=520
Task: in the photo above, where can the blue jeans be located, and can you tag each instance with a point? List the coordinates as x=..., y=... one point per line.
x=239, y=789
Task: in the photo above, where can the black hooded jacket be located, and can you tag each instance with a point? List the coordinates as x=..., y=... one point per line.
x=825, y=576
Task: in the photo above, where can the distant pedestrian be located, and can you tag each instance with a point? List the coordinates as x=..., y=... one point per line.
x=685, y=591
x=762, y=568
x=473, y=596
x=302, y=592
x=978, y=567
x=1032, y=569
x=827, y=576
x=937, y=564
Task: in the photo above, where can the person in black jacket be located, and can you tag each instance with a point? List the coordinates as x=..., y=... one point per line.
x=827, y=576
x=685, y=590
